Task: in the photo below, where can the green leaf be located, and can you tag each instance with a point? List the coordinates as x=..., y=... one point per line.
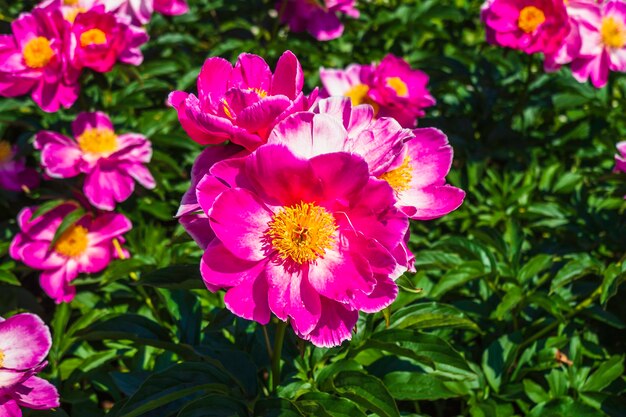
x=429, y=315
x=185, y=277
x=367, y=391
x=581, y=265
x=323, y=404
x=276, y=407
x=535, y=391
x=47, y=207
x=215, y=406
x=564, y=407
x=412, y=386
x=533, y=267
x=606, y=373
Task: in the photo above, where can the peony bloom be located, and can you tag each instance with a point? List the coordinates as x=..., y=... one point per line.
x=413, y=162
x=528, y=25
x=620, y=158
x=98, y=39
x=14, y=174
x=109, y=162
x=34, y=60
x=309, y=240
x=24, y=344
x=244, y=103
x=141, y=11
x=603, y=42
x=392, y=88
x=87, y=246
x=319, y=18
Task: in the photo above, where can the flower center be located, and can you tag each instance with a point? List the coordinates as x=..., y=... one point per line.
x=70, y=2
x=302, y=232
x=73, y=242
x=1, y=359
x=93, y=37
x=399, y=178
x=358, y=94
x=5, y=151
x=37, y=53
x=613, y=33
x=97, y=141
x=70, y=15
x=259, y=91
x=530, y=18
x=397, y=85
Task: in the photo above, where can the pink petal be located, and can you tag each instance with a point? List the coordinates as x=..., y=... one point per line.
x=221, y=269
x=431, y=202
x=9, y=408
x=36, y=393
x=335, y=325
x=25, y=341
x=214, y=76
x=55, y=283
x=288, y=79
x=108, y=226
x=87, y=120
x=251, y=72
x=249, y=300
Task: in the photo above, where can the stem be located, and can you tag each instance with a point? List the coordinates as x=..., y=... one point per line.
x=279, y=338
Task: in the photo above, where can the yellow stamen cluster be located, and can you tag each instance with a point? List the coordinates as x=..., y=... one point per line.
x=227, y=110
x=613, y=33
x=73, y=242
x=400, y=178
x=97, y=141
x=5, y=151
x=37, y=53
x=260, y=92
x=397, y=85
x=530, y=18
x=302, y=232
x=93, y=37
x=1, y=359
x=358, y=95
x=71, y=14
x=70, y=2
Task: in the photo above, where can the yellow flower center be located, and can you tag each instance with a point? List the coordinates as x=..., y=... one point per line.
x=399, y=178
x=70, y=15
x=358, y=94
x=613, y=33
x=70, y=2
x=93, y=37
x=1, y=359
x=227, y=110
x=73, y=242
x=397, y=85
x=97, y=141
x=302, y=232
x=260, y=92
x=37, y=53
x=530, y=18
x=5, y=151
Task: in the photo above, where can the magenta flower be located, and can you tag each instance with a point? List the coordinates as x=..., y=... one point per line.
x=141, y=10
x=603, y=42
x=244, y=103
x=109, y=162
x=85, y=247
x=14, y=174
x=392, y=88
x=34, y=60
x=318, y=17
x=528, y=25
x=309, y=240
x=413, y=162
x=620, y=157
x=570, y=47
x=24, y=344
x=99, y=39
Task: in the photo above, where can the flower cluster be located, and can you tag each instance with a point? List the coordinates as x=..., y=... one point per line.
x=24, y=344
x=318, y=17
x=392, y=88
x=587, y=35
x=305, y=213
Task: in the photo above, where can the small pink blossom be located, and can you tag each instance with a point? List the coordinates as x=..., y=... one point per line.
x=87, y=246
x=528, y=25
x=244, y=103
x=14, y=174
x=34, y=60
x=620, y=157
x=24, y=344
x=392, y=88
x=318, y=17
x=111, y=163
x=309, y=240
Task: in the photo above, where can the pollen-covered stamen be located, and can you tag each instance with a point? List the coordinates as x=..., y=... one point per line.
x=70, y=2
x=397, y=85
x=93, y=36
x=5, y=151
x=71, y=14
x=530, y=18
x=1, y=359
x=613, y=32
x=97, y=141
x=37, y=52
x=259, y=91
x=302, y=232
x=73, y=242
x=227, y=110
x=400, y=178
x=359, y=95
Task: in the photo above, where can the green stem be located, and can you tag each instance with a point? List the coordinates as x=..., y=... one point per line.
x=279, y=338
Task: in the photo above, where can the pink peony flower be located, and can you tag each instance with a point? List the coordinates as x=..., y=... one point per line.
x=85, y=247
x=413, y=162
x=34, y=60
x=309, y=240
x=602, y=31
x=528, y=25
x=98, y=39
x=570, y=47
x=24, y=344
x=620, y=158
x=392, y=88
x=109, y=162
x=244, y=103
x=14, y=174
x=318, y=17
x=141, y=11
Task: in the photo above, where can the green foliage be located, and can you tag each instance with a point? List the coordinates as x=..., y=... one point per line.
x=514, y=309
